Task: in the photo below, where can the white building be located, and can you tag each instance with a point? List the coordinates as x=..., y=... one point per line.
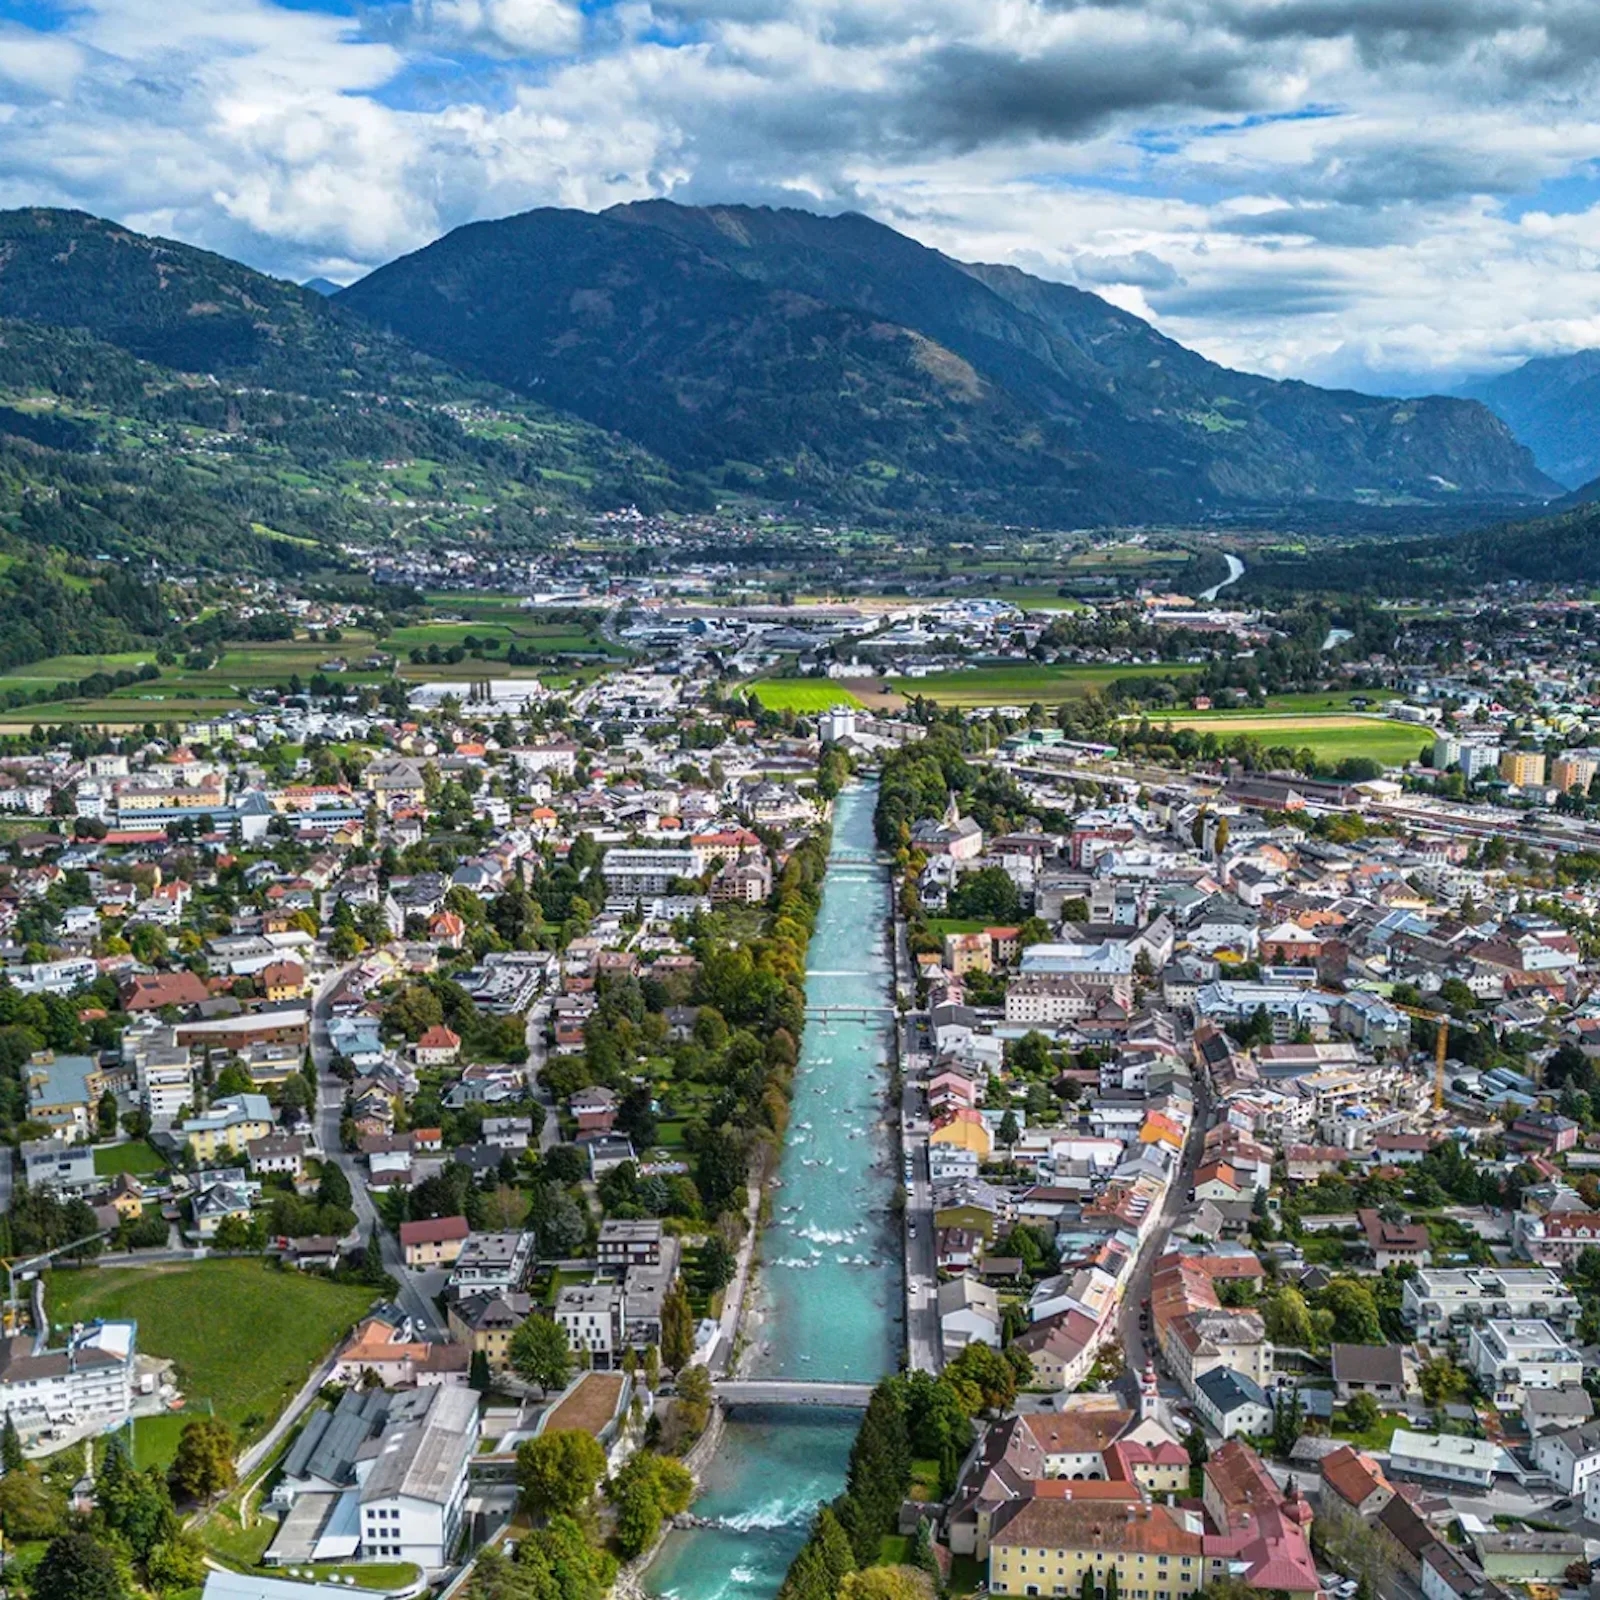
x=1441, y=1301
x=163, y=1070
x=836, y=723
x=414, y=1490
x=91, y=1377
x=1571, y=1457
x=633, y=874
x=591, y=1315
x=1510, y=1358
x=1446, y=1457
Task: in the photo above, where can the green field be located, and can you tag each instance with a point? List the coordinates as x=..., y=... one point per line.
x=804, y=695
x=244, y=1335
x=1023, y=685
x=1329, y=738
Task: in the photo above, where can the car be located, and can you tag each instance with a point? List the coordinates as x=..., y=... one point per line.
x=1564, y=1504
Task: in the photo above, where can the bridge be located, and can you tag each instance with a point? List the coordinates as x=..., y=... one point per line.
x=849, y=1013
x=856, y=858
x=782, y=1392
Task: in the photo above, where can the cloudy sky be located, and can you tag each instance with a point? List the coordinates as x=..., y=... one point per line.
x=1392, y=193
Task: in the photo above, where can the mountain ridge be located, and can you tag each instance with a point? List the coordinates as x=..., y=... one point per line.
x=901, y=379
x=1552, y=404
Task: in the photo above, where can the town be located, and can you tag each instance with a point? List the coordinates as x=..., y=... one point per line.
x=444, y=1102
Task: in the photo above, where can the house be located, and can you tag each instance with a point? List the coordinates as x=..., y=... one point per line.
x=221, y=1202
x=1521, y=1558
x=1355, y=1482
x=1394, y=1244
x=1378, y=1370
x=1447, y=1458
x=595, y=1109
x=281, y=980
x=1571, y=1456
x=437, y=1047
x=66, y=1168
x=434, y=1242
x=1233, y=1403
x=278, y=1152
x=969, y=1313
x=1544, y=1409
x=155, y=991
x=486, y=1322
x=385, y=1347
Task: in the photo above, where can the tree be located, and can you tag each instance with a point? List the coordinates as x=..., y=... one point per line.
x=649, y=1488
x=897, y=1583
x=1287, y=1416
x=1008, y=1132
x=1194, y=1441
x=177, y=1563
x=11, y=1456
x=677, y=1329
x=559, y=1472
x=1362, y=1410
x=716, y=1266
x=29, y=1507
x=78, y=1566
x=982, y=1378
x=694, y=1400
x=106, y=1115
x=539, y=1353
x=478, y=1377
x=203, y=1467
x=333, y=1187
x=1288, y=1321
x=1355, y=1312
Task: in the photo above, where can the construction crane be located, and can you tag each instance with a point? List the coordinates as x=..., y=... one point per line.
x=1441, y=1045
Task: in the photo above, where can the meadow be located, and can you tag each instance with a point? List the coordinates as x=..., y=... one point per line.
x=244, y=1335
x=1331, y=737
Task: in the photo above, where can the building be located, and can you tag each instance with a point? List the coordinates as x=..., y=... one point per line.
x=163, y=1071
x=487, y=1322
x=641, y=874
x=1233, y=1403
x=1395, y=1244
x=1524, y=768
x=1571, y=1456
x=491, y=1262
x=433, y=1242
x=1441, y=1302
x=1045, y=1543
x=1378, y=1370
x=1573, y=771
x=229, y=1127
x=66, y=1168
x=592, y=1316
x=91, y=1376
x=1528, y=1557
x=1446, y=1458
x=1510, y=1358
x=64, y=1093
x=631, y=1242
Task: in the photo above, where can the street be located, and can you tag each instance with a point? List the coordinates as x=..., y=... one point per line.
x=330, y=1105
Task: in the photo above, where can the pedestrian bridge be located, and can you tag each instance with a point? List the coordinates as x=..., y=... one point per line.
x=781, y=1392
x=849, y=1013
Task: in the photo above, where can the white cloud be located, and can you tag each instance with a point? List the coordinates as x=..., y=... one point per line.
x=1336, y=188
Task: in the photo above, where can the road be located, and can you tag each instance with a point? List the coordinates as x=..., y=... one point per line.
x=330, y=1105
x=924, y=1350
x=550, y=1132
x=1137, y=1299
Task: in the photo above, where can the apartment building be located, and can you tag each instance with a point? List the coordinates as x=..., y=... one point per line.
x=1440, y=1302
x=1510, y=1358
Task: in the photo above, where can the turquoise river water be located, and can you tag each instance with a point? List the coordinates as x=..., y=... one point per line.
x=830, y=1286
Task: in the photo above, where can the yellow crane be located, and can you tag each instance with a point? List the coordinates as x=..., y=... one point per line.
x=1441, y=1045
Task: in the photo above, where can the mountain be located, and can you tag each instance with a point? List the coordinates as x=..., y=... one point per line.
x=835, y=359
x=323, y=286
x=1552, y=404
x=162, y=403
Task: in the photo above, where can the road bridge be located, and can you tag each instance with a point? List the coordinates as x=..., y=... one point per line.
x=783, y=1392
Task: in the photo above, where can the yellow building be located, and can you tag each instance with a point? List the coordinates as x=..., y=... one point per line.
x=230, y=1125
x=486, y=1322
x=965, y=1129
x=1045, y=1544
x=1525, y=768
x=968, y=952
x=1573, y=771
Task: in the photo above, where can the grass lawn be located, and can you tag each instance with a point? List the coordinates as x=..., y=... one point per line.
x=924, y=1479
x=243, y=1335
x=968, y=1575
x=1378, y=1437
x=1023, y=684
x=894, y=1550
x=155, y=1439
x=373, y=1575
x=943, y=925
x=801, y=694
x=134, y=1156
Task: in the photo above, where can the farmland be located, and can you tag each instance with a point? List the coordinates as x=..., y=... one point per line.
x=1330, y=738
x=1024, y=684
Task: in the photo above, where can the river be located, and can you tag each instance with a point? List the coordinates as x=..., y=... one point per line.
x=829, y=1301
x=1235, y=573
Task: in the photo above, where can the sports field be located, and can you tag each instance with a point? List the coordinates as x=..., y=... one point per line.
x=804, y=695
x=1023, y=684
